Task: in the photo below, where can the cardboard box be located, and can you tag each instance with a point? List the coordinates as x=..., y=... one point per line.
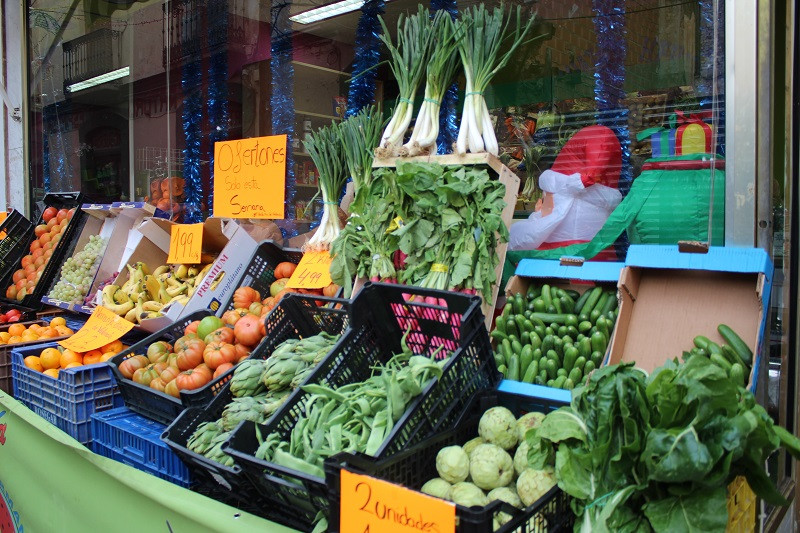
x=669, y=297
x=222, y=238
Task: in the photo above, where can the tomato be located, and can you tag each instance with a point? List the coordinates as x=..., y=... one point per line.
x=244, y=296
x=284, y=270
x=61, y=215
x=159, y=351
x=331, y=290
x=40, y=230
x=191, y=328
x=145, y=375
x=247, y=330
x=172, y=389
x=242, y=352
x=160, y=367
x=132, y=364
x=255, y=308
x=49, y=213
x=13, y=312
x=192, y=379
x=191, y=355
x=218, y=353
x=232, y=316
x=207, y=325
x=202, y=367
x=70, y=213
x=170, y=373
x=158, y=384
x=223, y=334
x=277, y=286
x=183, y=342
x=221, y=369
x=18, y=275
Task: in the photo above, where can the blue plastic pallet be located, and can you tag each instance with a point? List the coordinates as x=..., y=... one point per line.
x=69, y=401
x=129, y=438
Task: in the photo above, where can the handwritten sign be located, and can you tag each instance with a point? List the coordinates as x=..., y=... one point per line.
x=3, y=216
x=313, y=271
x=250, y=177
x=102, y=327
x=185, y=243
x=369, y=505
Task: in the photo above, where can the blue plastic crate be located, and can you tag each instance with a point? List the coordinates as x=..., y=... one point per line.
x=129, y=438
x=69, y=401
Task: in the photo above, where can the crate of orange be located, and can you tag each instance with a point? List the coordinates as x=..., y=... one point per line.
x=24, y=334
x=64, y=387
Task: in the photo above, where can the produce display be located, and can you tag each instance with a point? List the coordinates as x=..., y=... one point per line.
x=18, y=333
x=492, y=466
x=77, y=272
x=735, y=358
x=12, y=315
x=259, y=387
x=51, y=360
x=41, y=249
x=658, y=451
x=552, y=336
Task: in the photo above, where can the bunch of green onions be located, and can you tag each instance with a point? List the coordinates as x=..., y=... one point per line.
x=325, y=148
x=441, y=68
x=484, y=34
x=409, y=58
x=359, y=135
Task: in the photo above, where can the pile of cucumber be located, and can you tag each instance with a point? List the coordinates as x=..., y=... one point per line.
x=735, y=358
x=553, y=336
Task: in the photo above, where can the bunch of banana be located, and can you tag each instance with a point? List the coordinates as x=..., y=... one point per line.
x=144, y=294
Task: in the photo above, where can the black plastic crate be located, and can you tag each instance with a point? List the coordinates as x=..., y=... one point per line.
x=59, y=200
x=381, y=315
x=260, y=272
x=413, y=467
x=295, y=317
x=18, y=235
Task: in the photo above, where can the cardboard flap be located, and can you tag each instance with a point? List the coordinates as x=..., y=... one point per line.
x=158, y=231
x=718, y=258
x=214, y=238
x=587, y=271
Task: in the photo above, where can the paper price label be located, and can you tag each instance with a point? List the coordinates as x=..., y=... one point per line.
x=102, y=327
x=370, y=505
x=250, y=177
x=185, y=243
x=313, y=271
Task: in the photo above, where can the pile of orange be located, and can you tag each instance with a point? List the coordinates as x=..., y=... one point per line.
x=17, y=333
x=51, y=360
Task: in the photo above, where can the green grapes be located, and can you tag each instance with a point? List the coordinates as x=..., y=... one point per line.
x=77, y=272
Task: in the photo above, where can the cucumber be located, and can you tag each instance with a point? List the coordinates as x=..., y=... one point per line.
x=550, y=382
x=730, y=355
x=601, y=302
x=598, y=342
x=567, y=304
x=562, y=330
x=539, y=329
x=549, y=331
x=537, y=354
x=611, y=303
x=499, y=360
x=554, y=357
x=572, y=321
x=593, y=316
x=533, y=292
x=516, y=347
x=505, y=350
x=513, y=368
x=739, y=346
x=568, y=384
x=561, y=372
x=500, y=324
x=736, y=373
x=546, y=295
x=557, y=305
x=551, y=310
x=519, y=321
x=498, y=335
x=570, y=356
x=597, y=358
x=525, y=339
x=588, y=367
x=591, y=301
x=530, y=373
x=573, y=294
x=701, y=342
x=584, y=326
x=525, y=359
x=511, y=327
x=559, y=382
x=503, y=370
x=536, y=341
x=602, y=326
x=551, y=368
x=558, y=346
x=585, y=347
x=721, y=362
x=580, y=363
x=542, y=376
x=568, y=341
x=573, y=332
x=579, y=303
x=583, y=317
x=557, y=318
x=507, y=310
x=713, y=347
x=548, y=343
x=539, y=305
x=575, y=375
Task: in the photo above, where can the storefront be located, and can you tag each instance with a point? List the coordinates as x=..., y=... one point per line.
x=125, y=100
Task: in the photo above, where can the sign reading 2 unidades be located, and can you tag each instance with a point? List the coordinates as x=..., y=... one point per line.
x=9, y=518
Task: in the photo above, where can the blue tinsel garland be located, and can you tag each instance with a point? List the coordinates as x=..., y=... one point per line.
x=191, y=77
x=46, y=120
x=217, y=91
x=448, y=127
x=282, y=99
x=367, y=55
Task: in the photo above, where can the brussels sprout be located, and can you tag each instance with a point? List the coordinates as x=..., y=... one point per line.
x=498, y=426
x=452, y=463
x=490, y=466
x=528, y=421
x=468, y=495
x=533, y=484
x=472, y=444
x=437, y=487
x=521, y=458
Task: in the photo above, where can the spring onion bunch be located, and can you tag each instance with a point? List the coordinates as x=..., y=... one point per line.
x=442, y=64
x=408, y=61
x=358, y=136
x=325, y=148
x=485, y=33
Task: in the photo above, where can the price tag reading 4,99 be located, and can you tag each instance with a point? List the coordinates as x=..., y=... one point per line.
x=370, y=505
x=185, y=243
x=313, y=271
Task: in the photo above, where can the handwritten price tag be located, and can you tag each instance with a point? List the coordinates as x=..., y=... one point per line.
x=185, y=243
x=313, y=271
x=369, y=505
x=102, y=327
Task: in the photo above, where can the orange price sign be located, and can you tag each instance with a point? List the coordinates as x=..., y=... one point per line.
x=370, y=505
x=103, y=326
x=313, y=271
x=185, y=243
x=250, y=177
x=3, y=216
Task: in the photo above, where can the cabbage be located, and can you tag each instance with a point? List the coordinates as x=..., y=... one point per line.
x=437, y=487
x=491, y=467
x=452, y=463
x=468, y=495
x=498, y=426
x=533, y=484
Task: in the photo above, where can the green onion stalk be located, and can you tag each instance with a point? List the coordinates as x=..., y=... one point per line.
x=325, y=148
x=358, y=136
x=485, y=34
x=408, y=61
x=441, y=68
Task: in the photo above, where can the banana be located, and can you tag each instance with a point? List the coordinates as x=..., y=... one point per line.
x=120, y=309
x=193, y=271
x=176, y=291
x=183, y=300
x=131, y=315
x=142, y=267
x=163, y=269
x=145, y=315
x=153, y=286
x=204, y=271
x=173, y=282
x=182, y=272
x=152, y=306
x=108, y=294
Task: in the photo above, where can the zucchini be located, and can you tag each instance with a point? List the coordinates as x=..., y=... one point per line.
x=739, y=346
x=530, y=372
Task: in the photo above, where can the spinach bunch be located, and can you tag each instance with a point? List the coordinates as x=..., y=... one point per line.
x=642, y=453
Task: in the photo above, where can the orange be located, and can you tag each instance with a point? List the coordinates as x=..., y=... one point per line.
x=58, y=321
x=113, y=347
x=48, y=333
x=64, y=330
x=32, y=361
x=68, y=356
x=52, y=372
x=4, y=336
x=16, y=329
x=106, y=356
x=29, y=336
x=50, y=358
x=35, y=327
x=14, y=339
x=73, y=365
x=90, y=358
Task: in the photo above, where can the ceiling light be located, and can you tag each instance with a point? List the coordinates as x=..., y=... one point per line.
x=327, y=11
x=97, y=80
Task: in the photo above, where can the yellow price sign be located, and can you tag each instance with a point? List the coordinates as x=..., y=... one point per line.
x=185, y=243
x=103, y=326
x=370, y=505
x=250, y=177
x=313, y=271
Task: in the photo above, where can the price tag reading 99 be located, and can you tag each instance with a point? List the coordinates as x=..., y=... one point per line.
x=185, y=243
x=313, y=271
